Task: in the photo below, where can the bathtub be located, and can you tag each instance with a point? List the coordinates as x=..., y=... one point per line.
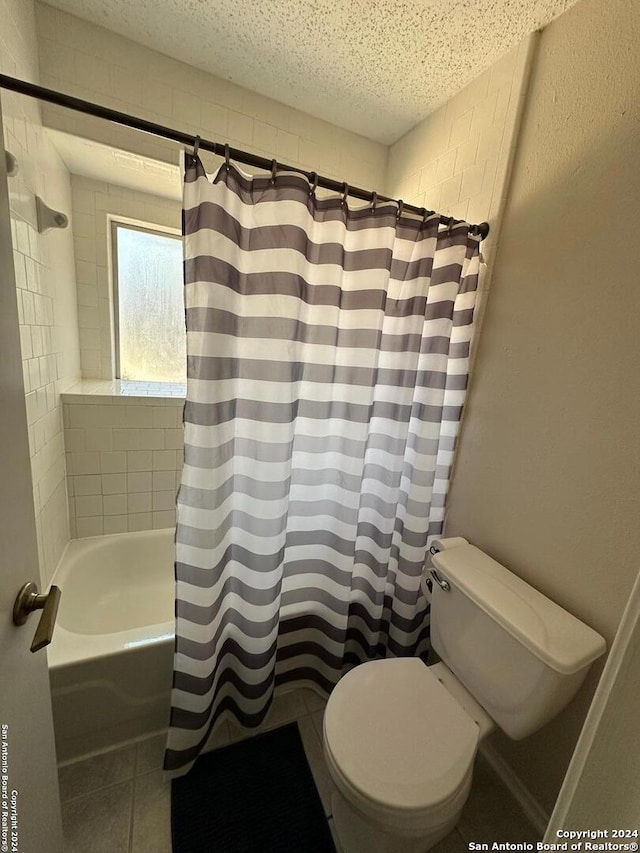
x=111, y=657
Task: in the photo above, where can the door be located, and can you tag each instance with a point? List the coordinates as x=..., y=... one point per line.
x=29, y=798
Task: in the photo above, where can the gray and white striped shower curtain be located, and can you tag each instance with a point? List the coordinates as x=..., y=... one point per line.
x=327, y=366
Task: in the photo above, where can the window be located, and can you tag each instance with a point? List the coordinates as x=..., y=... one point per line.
x=148, y=304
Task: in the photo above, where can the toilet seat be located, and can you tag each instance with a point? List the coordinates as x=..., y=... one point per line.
x=398, y=744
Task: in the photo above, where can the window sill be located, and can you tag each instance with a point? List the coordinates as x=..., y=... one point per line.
x=125, y=391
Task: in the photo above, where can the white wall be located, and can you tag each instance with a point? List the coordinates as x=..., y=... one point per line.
x=547, y=475
x=44, y=267
x=93, y=63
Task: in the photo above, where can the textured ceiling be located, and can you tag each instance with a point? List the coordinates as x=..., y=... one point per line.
x=375, y=67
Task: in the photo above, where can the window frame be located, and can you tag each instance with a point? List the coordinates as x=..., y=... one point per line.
x=115, y=222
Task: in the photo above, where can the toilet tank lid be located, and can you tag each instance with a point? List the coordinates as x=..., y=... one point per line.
x=552, y=634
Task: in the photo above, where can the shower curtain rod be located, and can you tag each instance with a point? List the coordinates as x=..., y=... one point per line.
x=31, y=90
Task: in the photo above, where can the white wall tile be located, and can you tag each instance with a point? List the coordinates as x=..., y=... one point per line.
x=139, y=482
x=126, y=439
x=98, y=439
x=113, y=484
x=85, y=463
x=164, y=519
x=113, y=462
x=139, y=416
x=87, y=484
x=139, y=460
x=173, y=439
x=155, y=439
x=89, y=526
x=164, y=460
x=136, y=488
x=165, y=416
x=163, y=481
x=139, y=502
x=140, y=521
x=45, y=280
x=164, y=500
x=115, y=505
x=88, y=505
x=116, y=524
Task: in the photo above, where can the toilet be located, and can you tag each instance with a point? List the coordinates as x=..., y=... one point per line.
x=400, y=737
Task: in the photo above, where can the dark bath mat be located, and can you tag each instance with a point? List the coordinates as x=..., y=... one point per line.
x=255, y=796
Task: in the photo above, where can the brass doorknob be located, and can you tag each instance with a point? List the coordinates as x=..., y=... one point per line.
x=28, y=600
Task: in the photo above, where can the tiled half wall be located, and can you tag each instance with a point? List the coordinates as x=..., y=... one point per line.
x=124, y=460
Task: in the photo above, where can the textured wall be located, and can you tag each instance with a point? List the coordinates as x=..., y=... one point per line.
x=92, y=63
x=610, y=735
x=548, y=471
x=44, y=269
x=92, y=202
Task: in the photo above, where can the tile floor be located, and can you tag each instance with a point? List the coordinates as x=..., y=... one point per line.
x=118, y=802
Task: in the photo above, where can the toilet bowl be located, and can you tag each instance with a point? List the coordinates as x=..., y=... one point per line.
x=400, y=750
x=400, y=738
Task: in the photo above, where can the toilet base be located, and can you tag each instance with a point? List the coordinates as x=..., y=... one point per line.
x=358, y=834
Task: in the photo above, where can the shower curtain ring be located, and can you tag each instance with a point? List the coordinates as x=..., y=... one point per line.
x=196, y=147
x=400, y=209
x=374, y=201
x=274, y=169
x=314, y=185
x=345, y=193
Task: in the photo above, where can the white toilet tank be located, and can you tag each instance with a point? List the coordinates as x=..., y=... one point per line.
x=520, y=655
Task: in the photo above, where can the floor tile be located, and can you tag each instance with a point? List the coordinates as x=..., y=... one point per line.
x=99, y=822
x=285, y=708
x=452, y=843
x=150, y=753
x=318, y=720
x=236, y=732
x=99, y=771
x=313, y=701
x=219, y=737
x=315, y=757
x=152, y=814
x=334, y=835
x=491, y=813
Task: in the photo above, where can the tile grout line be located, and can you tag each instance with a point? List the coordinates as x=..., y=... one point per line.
x=99, y=790
x=309, y=715
x=315, y=760
x=134, y=786
x=305, y=716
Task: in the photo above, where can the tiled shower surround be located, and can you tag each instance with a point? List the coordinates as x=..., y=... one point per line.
x=45, y=282
x=124, y=458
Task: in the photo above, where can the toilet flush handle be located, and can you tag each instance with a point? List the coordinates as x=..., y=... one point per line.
x=442, y=583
